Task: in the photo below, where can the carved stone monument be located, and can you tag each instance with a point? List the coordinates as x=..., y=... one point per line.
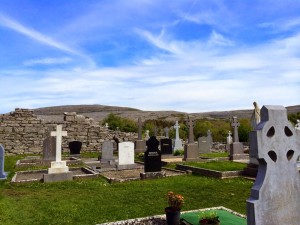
x=191, y=152
x=3, y=175
x=59, y=170
x=177, y=142
x=140, y=144
x=275, y=195
x=236, y=148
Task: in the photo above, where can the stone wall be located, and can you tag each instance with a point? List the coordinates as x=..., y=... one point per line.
x=22, y=132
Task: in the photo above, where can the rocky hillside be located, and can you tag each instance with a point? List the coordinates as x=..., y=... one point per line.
x=99, y=112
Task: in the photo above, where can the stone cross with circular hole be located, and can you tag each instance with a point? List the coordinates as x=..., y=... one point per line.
x=275, y=195
x=235, y=124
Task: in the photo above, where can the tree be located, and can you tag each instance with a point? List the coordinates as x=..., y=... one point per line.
x=114, y=121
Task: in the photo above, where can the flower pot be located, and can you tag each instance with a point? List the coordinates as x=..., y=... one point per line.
x=172, y=217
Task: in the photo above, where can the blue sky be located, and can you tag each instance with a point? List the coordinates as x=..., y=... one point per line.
x=183, y=55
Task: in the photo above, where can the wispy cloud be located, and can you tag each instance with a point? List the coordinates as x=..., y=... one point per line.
x=35, y=35
x=47, y=61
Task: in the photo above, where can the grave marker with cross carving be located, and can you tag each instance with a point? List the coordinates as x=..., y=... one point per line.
x=275, y=195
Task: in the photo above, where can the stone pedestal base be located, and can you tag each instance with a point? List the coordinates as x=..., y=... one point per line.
x=58, y=167
x=140, y=146
x=151, y=175
x=177, y=145
x=191, y=152
x=54, y=177
x=126, y=167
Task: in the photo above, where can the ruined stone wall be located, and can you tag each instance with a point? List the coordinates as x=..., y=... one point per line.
x=21, y=132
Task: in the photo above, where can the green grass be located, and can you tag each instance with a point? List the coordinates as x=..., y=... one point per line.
x=219, y=166
x=95, y=201
x=214, y=154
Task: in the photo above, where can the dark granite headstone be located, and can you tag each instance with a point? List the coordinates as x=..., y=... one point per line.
x=75, y=147
x=152, y=156
x=107, y=155
x=3, y=175
x=166, y=146
x=116, y=143
x=49, y=148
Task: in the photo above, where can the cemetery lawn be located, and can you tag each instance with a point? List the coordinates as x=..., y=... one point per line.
x=214, y=154
x=218, y=166
x=94, y=201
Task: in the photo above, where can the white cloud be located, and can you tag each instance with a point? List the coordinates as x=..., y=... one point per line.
x=47, y=61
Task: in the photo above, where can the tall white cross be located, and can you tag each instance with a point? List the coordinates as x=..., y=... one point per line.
x=176, y=126
x=58, y=134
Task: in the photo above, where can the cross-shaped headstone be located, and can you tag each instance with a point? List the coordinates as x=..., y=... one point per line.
x=58, y=134
x=229, y=138
x=167, y=131
x=147, y=136
x=297, y=125
x=191, y=129
x=140, y=124
x=235, y=124
x=176, y=126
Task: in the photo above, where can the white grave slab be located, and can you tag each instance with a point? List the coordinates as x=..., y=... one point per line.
x=126, y=153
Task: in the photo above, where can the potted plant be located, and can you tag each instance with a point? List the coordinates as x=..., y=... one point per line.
x=209, y=218
x=175, y=202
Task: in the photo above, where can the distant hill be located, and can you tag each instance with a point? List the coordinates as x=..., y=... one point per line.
x=99, y=112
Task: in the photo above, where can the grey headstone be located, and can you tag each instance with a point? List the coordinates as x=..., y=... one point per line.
x=3, y=175
x=275, y=195
x=49, y=148
x=107, y=155
x=204, y=144
x=191, y=130
x=167, y=131
x=236, y=148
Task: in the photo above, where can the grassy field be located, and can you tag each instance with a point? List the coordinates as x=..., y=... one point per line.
x=219, y=166
x=214, y=154
x=95, y=201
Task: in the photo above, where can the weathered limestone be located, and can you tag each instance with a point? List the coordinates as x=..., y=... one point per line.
x=275, y=195
x=23, y=132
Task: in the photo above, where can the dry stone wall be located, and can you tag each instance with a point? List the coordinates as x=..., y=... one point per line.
x=22, y=132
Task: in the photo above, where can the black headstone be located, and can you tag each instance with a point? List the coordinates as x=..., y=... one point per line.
x=166, y=146
x=152, y=156
x=75, y=147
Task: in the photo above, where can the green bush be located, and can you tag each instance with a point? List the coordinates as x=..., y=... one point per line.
x=114, y=121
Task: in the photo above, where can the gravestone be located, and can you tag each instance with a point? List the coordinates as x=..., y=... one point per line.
x=147, y=136
x=297, y=126
x=236, y=148
x=177, y=142
x=59, y=170
x=204, y=145
x=152, y=156
x=75, y=147
x=275, y=195
x=166, y=129
x=126, y=155
x=3, y=175
x=191, y=152
x=209, y=137
x=229, y=142
x=49, y=148
x=166, y=146
x=140, y=144
x=152, y=160
x=116, y=143
x=107, y=153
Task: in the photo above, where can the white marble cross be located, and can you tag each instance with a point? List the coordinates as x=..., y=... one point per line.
x=58, y=134
x=176, y=126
